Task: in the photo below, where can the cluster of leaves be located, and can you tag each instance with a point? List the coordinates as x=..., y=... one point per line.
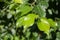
x=26, y=20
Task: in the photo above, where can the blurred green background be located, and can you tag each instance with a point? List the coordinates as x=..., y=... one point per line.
x=29, y=19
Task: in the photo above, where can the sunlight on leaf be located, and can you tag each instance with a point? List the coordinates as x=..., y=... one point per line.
x=19, y=22
x=27, y=21
x=16, y=38
x=43, y=25
x=52, y=24
x=18, y=1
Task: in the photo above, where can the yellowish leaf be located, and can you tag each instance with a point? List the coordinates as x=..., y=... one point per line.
x=18, y=1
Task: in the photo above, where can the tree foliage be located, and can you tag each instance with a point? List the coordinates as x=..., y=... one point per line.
x=29, y=20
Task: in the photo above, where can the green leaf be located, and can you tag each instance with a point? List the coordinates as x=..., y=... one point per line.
x=29, y=20
x=43, y=25
x=19, y=22
x=16, y=38
x=23, y=38
x=1, y=26
x=41, y=7
x=52, y=23
x=44, y=3
x=26, y=21
x=18, y=1
x=24, y=9
x=12, y=6
x=38, y=9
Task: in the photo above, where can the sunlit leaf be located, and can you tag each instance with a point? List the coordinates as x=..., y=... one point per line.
x=19, y=22
x=27, y=21
x=16, y=38
x=52, y=23
x=18, y=1
x=43, y=25
x=1, y=26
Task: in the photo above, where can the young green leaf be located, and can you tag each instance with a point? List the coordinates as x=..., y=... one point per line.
x=26, y=21
x=43, y=25
x=1, y=26
x=18, y=1
x=19, y=22
x=16, y=38
x=52, y=24
x=29, y=20
x=24, y=9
